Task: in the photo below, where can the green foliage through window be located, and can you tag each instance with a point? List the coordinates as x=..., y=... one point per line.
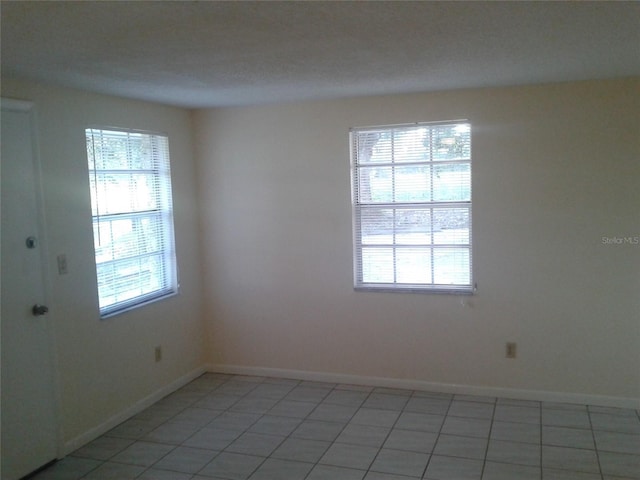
x=412, y=207
x=130, y=185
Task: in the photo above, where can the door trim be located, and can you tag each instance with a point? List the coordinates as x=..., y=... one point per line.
x=29, y=107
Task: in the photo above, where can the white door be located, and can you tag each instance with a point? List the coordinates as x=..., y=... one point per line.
x=28, y=412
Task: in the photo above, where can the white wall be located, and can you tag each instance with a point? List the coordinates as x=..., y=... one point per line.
x=555, y=169
x=106, y=366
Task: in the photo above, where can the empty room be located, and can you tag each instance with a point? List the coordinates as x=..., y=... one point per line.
x=306, y=240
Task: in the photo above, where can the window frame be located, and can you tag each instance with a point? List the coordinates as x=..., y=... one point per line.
x=160, y=216
x=358, y=206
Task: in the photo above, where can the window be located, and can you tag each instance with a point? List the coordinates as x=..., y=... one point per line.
x=132, y=214
x=412, y=207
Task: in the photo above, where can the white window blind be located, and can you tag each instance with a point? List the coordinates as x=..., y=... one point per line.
x=412, y=207
x=131, y=203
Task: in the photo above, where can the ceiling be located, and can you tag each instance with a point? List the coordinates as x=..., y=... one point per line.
x=214, y=53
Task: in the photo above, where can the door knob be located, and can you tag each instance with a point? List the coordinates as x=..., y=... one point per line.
x=39, y=309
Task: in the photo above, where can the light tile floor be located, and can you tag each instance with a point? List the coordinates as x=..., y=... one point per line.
x=237, y=427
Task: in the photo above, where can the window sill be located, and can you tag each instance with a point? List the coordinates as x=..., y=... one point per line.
x=111, y=314
x=409, y=289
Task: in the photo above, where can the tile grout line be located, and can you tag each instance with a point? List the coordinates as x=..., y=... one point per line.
x=317, y=462
x=595, y=444
x=541, y=443
x=175, y=447
x=191, y=405
x=444, y=419
x=302, y=420
x=223, y=411
x=227, y=410
x=486, y=451
x=332, y=442
x=390, y=430
x=246, y=430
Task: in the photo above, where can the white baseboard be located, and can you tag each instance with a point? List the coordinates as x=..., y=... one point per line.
x=134, y=409
x=520, y=394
